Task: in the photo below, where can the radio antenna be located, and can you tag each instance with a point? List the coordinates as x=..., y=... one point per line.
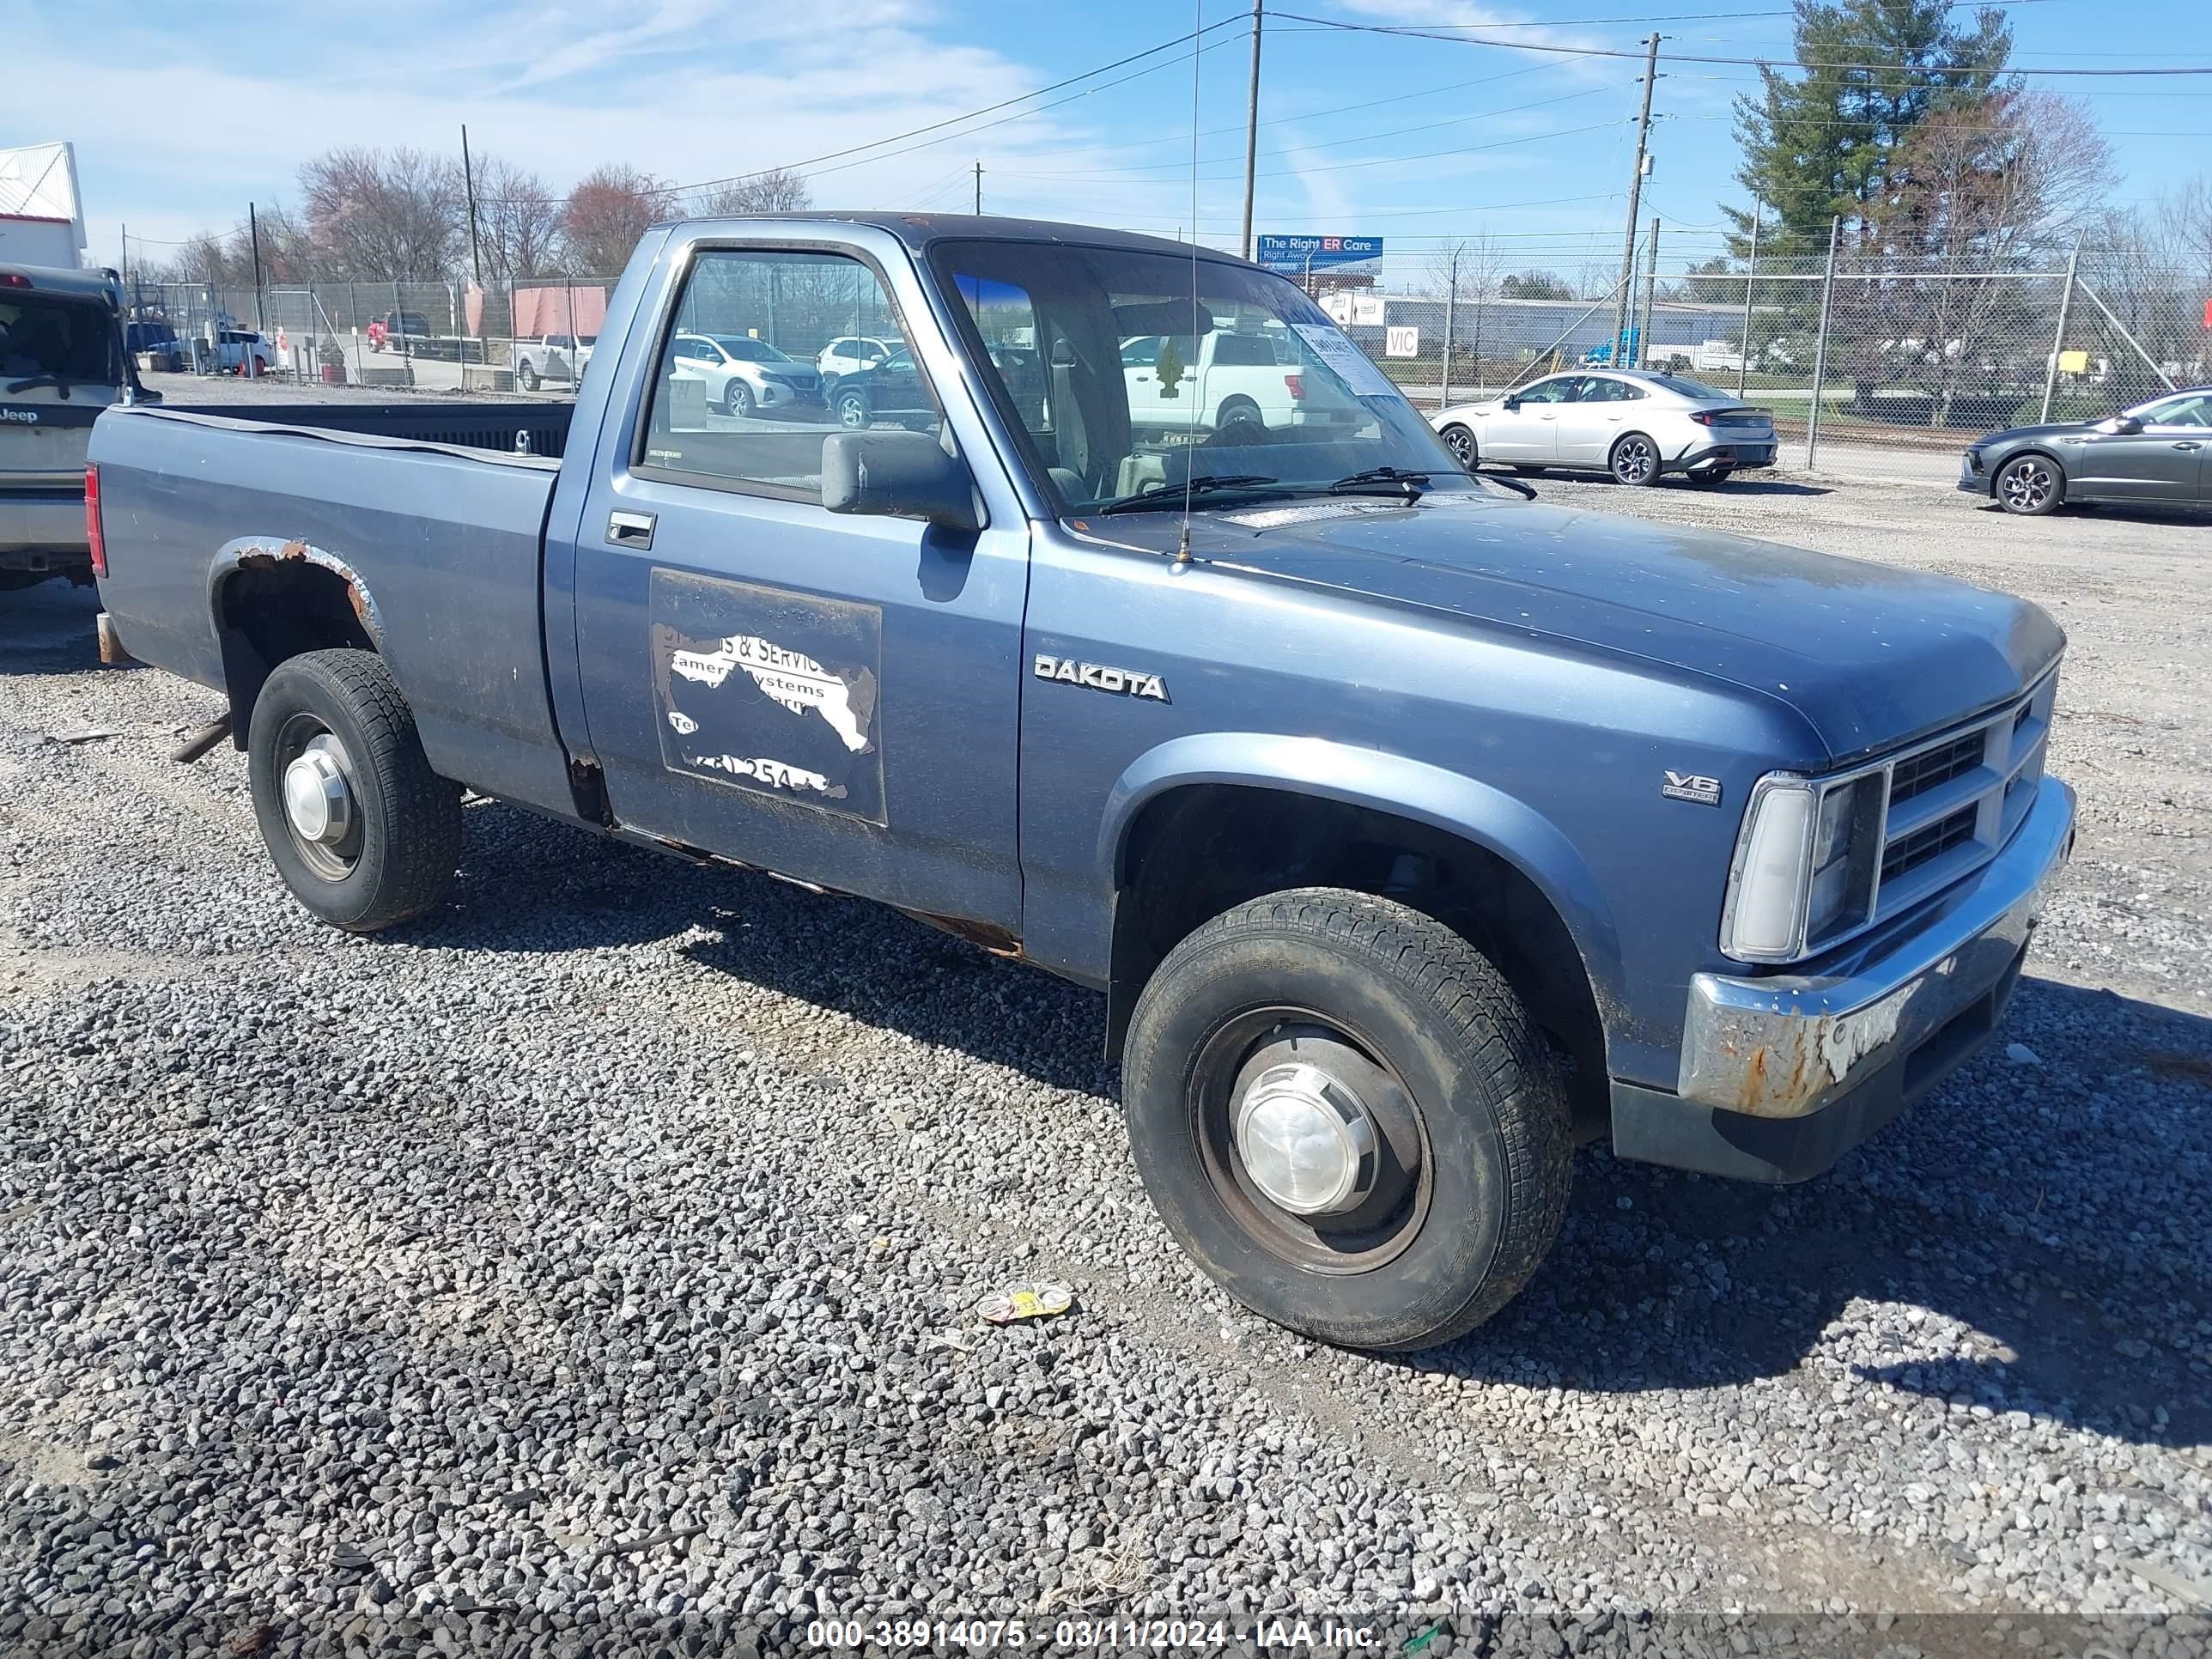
x=1197, y=345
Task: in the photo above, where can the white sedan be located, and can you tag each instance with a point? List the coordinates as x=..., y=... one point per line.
x=744, y=376
x=1636, y=424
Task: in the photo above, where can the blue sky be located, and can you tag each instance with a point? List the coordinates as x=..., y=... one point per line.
x=181, y=115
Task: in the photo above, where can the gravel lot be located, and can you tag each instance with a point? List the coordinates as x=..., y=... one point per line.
x=599, y=1255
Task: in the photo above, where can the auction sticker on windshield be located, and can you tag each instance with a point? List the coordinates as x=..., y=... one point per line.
x=1346, y=360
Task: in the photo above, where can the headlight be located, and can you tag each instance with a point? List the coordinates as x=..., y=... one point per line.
x=1804, y=866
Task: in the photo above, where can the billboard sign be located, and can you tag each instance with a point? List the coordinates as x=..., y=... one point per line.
x=1297, y=256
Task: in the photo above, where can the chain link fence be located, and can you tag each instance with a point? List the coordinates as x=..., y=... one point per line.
x=507, y=335
x=1879, y=367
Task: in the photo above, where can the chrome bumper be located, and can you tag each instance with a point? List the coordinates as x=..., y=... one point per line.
x=1786, y=1045
x=45, y=521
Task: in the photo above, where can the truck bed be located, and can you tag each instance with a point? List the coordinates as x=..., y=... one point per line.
x=428, y=523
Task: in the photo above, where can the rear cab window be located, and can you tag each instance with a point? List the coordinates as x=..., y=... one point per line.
x=46, y=338
x=737, y=401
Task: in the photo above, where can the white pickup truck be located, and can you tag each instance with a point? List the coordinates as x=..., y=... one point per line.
x=1232, y=376
x=559, y=357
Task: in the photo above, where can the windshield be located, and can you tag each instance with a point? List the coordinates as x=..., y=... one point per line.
x=45, y=334
x=1117, y=390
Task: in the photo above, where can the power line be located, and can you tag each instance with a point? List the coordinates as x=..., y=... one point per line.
x=954, y=121
x=1754, y=63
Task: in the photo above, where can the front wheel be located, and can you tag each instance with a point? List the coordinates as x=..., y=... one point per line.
x=1343, y=1114
x=2030, y=486
x=852, y=410
x=1634, y=460
x=737, y=400
x=1460, y=442
x=363, y=832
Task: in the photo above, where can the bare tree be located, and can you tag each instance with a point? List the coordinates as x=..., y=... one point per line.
x=2184, y=224
x=606, y=213
x=1468, y=269
x=384, y=214
x=518, y=219
x=1978, y=189
x=781, y=191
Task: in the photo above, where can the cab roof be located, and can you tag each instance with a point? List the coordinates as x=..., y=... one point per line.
x=55, y=279
x=919, y=230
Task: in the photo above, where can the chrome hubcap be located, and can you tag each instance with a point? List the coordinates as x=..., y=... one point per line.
x=1306, y=1141
x=320, y=808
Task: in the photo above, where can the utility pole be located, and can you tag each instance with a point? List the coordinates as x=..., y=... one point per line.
x=1750, y=276
x=1252, y=129
x=253, y=238
x=1645, y=330
x=2058, y=339
x=1635, y=200
x=469, y=186
x=130, y=294
x=1451, y=294
x=979, y=189
x=1820, y=349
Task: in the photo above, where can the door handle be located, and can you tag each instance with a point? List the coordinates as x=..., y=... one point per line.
x=630, y=529
x=2191, y=444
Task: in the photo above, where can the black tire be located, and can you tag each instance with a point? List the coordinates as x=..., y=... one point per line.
x=2030, y=485
x=1528, y=470
x=1712, y=480
x=398, y=858
x=852, y=409
x=738, y=399
x=1236, y=409
x=1460, y=442
x=1634, y=460
x=1464, y=1205
x=526, y=378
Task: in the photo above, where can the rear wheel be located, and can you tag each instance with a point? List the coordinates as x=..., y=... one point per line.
x=1460, y=442
x=1342, y=1112
x=1634, y=460
x=2030, y=486
x=363, y=832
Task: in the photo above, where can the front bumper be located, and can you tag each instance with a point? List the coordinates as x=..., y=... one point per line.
x=1974, y=475
x=43, y=528
x=770, y=395
x=1782, y=1074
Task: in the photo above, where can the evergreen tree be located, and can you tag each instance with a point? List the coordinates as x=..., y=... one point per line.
x=1823, y=142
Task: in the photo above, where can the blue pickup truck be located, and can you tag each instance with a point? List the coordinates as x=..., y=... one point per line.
x=1415, y=833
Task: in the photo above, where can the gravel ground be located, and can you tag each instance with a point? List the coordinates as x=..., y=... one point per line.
x=591, y=1267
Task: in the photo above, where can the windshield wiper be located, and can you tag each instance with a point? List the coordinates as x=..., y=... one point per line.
x=1166, y=494
x=61, y=382
x=1407, y=483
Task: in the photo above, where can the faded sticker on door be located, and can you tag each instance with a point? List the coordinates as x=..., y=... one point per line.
x=768, y=691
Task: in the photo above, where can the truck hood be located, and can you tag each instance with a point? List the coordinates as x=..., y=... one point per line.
x=1868, y=655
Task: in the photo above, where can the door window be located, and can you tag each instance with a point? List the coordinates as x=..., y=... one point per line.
x=1558, y=390
x=776, y=311
x=2194, y=410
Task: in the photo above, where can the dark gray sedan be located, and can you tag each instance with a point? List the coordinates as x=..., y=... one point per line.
x=2156, y=454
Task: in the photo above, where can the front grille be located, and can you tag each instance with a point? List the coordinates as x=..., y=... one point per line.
x=1953, y=801
x=1909, y=853
x=1931, y=767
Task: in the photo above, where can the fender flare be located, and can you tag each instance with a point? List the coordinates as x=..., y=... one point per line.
x=1448, y=801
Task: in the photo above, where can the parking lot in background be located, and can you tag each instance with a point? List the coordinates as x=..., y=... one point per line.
x=608, y=1242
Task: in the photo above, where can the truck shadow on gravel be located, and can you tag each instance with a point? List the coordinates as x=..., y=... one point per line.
x=2054, y=1209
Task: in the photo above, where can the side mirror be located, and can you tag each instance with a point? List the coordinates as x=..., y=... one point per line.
x=1510, y=404
x=897, y=474
x=2126, y=426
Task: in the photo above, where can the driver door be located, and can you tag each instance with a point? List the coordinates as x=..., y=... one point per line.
x=2158, y=466
x=1530, y=431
